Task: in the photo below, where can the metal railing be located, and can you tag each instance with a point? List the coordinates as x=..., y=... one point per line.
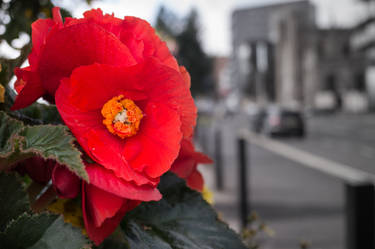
x=359, y=185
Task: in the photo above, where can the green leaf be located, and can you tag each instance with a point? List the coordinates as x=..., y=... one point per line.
x=61, y=235
x=21, y=229
x=181, y=220
x=13, y=199
x=18, y=142
x=139, y=238
x=26, y=230
x=9, y=129
x=53, y=142
x=38, y=114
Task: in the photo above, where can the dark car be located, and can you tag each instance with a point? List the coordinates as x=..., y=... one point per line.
x=257, y=118
x=281, y=122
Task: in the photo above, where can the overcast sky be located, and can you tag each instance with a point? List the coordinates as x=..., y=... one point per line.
x=215, y=14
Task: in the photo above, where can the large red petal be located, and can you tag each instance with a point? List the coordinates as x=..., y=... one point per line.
x=108, y=22
x=102, y=208
x=165, y=85
x=79, y=122
x=40, y=29
x=202, y=158
x=106, y=180
x=195, y=181
x=188, y=150
x=93, y=82
x=186, y=164
x=56, y=15
x=29, y=87
x=107, y=149
x=143, y=42
x=102, y=205
x=135, y=33
x=185, y=74
x=157, y=144
x=183, y=167
x=77, y=45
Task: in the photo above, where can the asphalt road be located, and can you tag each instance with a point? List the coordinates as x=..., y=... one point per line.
x=298, y=203
x=348, y=139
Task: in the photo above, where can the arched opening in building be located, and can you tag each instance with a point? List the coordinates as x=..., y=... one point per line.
x=360, y=82
x=330, y=85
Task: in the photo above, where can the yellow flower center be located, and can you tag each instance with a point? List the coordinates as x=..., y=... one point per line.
x=122, y=117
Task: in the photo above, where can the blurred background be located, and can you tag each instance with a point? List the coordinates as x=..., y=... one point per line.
x=296, y=77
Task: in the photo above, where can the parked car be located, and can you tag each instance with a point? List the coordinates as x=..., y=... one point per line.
x=257, y=118
x=276, y=121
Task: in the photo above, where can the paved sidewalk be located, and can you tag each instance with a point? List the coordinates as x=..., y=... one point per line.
x=297, y=203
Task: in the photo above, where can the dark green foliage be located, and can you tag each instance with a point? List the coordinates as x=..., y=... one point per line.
x=9, y=129
x=25, y=230
x=13, y=200
x=181, y=220
x=38, y=114
x=61, y=235
x=191, y=55
x=21, y=229
x=167, y=22
x=18, y=142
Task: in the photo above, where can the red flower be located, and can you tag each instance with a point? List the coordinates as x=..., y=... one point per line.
x=186, y=164
x=129, y=120
x=102, y=211
x=123, y=96
x=158, y=91
x=58, y=48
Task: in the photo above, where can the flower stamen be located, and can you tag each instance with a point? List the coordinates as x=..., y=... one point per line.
x=122, y=117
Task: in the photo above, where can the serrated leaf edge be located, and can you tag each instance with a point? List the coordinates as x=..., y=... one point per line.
x=71, y=142
x=25, y=214
x=14, y=138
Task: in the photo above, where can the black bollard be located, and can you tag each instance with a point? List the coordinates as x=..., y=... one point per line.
x=218, y=161
x=242, y=180
x=360, y=215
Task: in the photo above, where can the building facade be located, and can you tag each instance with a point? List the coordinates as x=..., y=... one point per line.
x=280, y=56
x=363, y=42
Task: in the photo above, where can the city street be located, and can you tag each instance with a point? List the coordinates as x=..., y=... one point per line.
x=297, y=203
x=348, y=139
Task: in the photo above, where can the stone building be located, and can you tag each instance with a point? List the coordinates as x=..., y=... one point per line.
x=280, y=56
x=363, y=42
x=340, y=70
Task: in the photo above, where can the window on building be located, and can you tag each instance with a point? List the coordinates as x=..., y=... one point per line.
x=346, y=49
x=360, y=82
x=320, y=48
x=330, y=83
